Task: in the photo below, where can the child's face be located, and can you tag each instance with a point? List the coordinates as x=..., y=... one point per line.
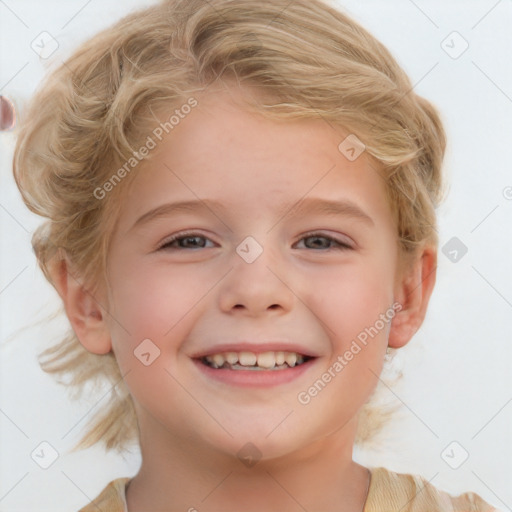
x=205, y=294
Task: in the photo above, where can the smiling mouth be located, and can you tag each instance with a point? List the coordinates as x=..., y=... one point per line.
x=256, y=362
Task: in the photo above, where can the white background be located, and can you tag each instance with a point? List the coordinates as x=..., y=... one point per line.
x=457, y=384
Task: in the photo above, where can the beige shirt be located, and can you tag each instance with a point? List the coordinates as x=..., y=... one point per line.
x=388, y=492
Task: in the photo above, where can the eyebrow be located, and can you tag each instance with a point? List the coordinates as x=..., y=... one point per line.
x=304, y=207
x=343, y=208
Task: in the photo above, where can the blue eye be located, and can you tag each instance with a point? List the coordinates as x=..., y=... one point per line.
x=189, y=239
x=338, y=244
x=196, y=241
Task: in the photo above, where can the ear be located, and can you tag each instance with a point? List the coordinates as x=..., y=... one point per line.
x=413, y=289
x=82, y=309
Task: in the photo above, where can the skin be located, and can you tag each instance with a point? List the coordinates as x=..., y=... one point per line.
x=304, y=288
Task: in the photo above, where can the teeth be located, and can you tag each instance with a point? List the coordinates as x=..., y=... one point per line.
x=290, y=358
x=231, y=357
x=247, y=358
x=218, y=359
x=264, y=360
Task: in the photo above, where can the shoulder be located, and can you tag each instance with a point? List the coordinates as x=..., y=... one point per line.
x=390, y=492
x=111, y=499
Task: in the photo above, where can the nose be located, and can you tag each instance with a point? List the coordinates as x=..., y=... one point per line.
x=253, y=288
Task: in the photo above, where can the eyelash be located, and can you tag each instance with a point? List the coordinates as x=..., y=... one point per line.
x=343, y=246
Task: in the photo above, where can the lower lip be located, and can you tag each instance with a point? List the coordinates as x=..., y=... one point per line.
x=254, y=378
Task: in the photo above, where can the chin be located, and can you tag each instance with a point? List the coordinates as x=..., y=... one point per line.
x=264, y=443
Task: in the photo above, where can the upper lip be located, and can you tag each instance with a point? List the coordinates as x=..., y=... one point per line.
x=256, y=348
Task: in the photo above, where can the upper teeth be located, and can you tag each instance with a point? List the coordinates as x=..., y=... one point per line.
x=267, y=360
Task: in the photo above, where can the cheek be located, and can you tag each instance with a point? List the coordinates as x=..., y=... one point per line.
x=154, y=296
x=150, y=314
x=155, y=302
x=353, y=297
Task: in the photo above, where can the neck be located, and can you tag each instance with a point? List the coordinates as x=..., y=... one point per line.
x=187, y=475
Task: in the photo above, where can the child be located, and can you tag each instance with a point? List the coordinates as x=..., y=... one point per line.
x=246, y=357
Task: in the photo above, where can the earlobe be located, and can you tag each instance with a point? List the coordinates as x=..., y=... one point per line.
x=83, y=310
x=413, y=291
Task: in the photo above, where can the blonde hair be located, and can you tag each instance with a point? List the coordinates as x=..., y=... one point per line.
x=92, y=113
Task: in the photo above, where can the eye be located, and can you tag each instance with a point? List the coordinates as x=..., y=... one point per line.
x=320, y=241
x=184, y=241
x=196, y=241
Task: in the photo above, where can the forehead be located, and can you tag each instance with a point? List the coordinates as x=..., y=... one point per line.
x=224, y=152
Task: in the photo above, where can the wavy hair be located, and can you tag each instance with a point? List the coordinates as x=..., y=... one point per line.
x=92, y=113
